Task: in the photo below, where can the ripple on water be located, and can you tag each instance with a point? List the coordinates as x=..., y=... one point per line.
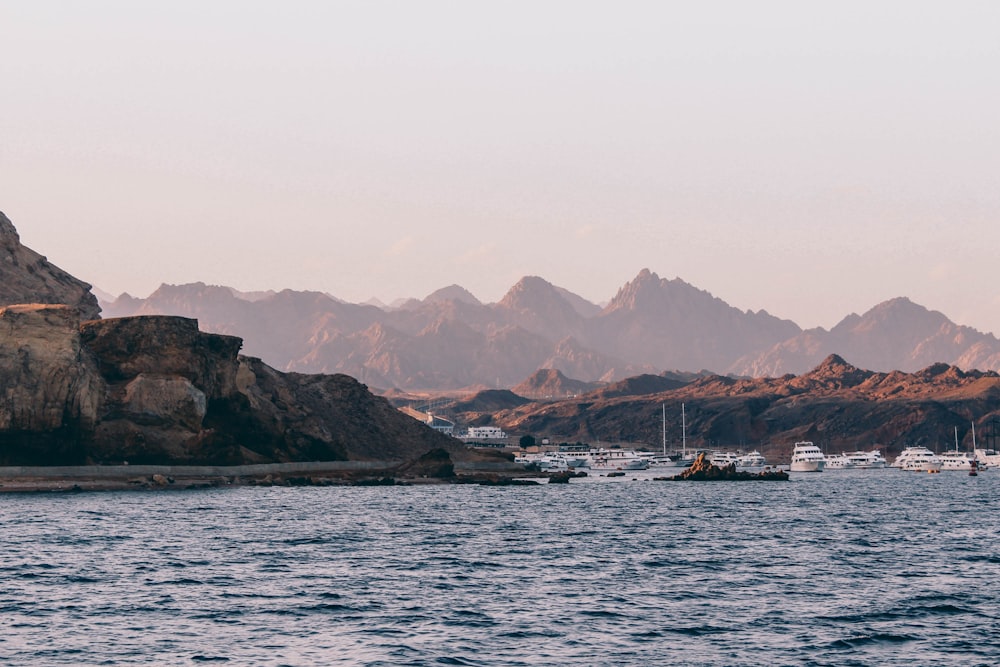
x=884, y=569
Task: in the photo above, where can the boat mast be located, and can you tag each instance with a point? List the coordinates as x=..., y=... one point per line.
x=664, y=430
x=956, y=439
x=973, y=435
x=684, y=447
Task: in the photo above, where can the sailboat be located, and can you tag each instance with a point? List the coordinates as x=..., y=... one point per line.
x=960, y=461
x=675, y=459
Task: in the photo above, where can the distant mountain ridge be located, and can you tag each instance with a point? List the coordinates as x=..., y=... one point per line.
x=894, y=335
x=836, y=404
x=451, y=340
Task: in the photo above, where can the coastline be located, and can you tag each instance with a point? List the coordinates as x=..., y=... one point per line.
x=26, y=479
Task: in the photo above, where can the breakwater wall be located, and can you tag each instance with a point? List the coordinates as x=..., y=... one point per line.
x=259, y=469
x=115, y=472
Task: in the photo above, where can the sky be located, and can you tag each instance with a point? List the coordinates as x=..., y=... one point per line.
x=809, y=159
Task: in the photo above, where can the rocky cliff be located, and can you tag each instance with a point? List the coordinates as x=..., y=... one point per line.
x=157, y=390
x=27, y=277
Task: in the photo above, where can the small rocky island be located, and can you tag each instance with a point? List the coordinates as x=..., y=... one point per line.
x=703, y=470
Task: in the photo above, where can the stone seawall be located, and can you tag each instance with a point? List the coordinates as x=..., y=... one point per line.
x=135, y=477
x=116, y=472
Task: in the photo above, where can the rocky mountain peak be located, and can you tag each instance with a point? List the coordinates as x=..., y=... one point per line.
x=453, y=293
x=834, y=371
x=529, y=292
x=550, y=382
x=27, y=277
x=897, y=314
x=640, y=289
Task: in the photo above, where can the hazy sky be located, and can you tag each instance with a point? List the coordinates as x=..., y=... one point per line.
x=809, y=158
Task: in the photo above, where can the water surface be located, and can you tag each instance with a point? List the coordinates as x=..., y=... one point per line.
x=837, y=568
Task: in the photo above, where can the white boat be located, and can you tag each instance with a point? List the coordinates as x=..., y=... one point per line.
x=677, y=459
x=723, y=458
x=872, y=459
x=753, y=459
x=962, y=461
x=987, y=458
x=545, y=462
x=838, y=462
x=958, y=461
x=807, y=457
x=616, y=459
x=918, y=459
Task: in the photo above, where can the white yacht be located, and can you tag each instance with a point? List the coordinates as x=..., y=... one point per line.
x=838, y=462
x=919, y=459
x=722, y=459
x=752, y=460
x=960, y=461
x=545, y=461
x=616, y=459
x=872, y=459
x=988, y=458
x=807, y=457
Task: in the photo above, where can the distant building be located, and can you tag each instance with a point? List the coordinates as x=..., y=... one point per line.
x=485, y=433
x=437, y=423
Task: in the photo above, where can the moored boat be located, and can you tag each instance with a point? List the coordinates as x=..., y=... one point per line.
x=752, y=459
x=721, y=459
x=917, y=459
x=616, y=459
x=987, y=458
x=871, y=459
x=838, y=462
x=807, y=457
x=958, y=461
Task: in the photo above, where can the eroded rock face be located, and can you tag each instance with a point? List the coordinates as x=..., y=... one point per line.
x=158, y=345
x=50, y=391
x=165, y=400
x=27, y=277
x=46, y=379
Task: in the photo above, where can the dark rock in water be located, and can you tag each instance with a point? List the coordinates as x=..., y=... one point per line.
x=564, y=477
x=436, y=464
x=703, y=470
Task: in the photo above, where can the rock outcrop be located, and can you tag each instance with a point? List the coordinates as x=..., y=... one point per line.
x=156, y=390
x=27, y=277
x=50, y=391
x=703, y=470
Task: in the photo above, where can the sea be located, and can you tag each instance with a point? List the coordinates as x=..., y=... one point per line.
x=874, y=567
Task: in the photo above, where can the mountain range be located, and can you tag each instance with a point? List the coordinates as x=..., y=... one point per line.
x=837, y=405
x=452, y=341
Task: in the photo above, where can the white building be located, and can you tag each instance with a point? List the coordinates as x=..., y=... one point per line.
x=485, y=433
